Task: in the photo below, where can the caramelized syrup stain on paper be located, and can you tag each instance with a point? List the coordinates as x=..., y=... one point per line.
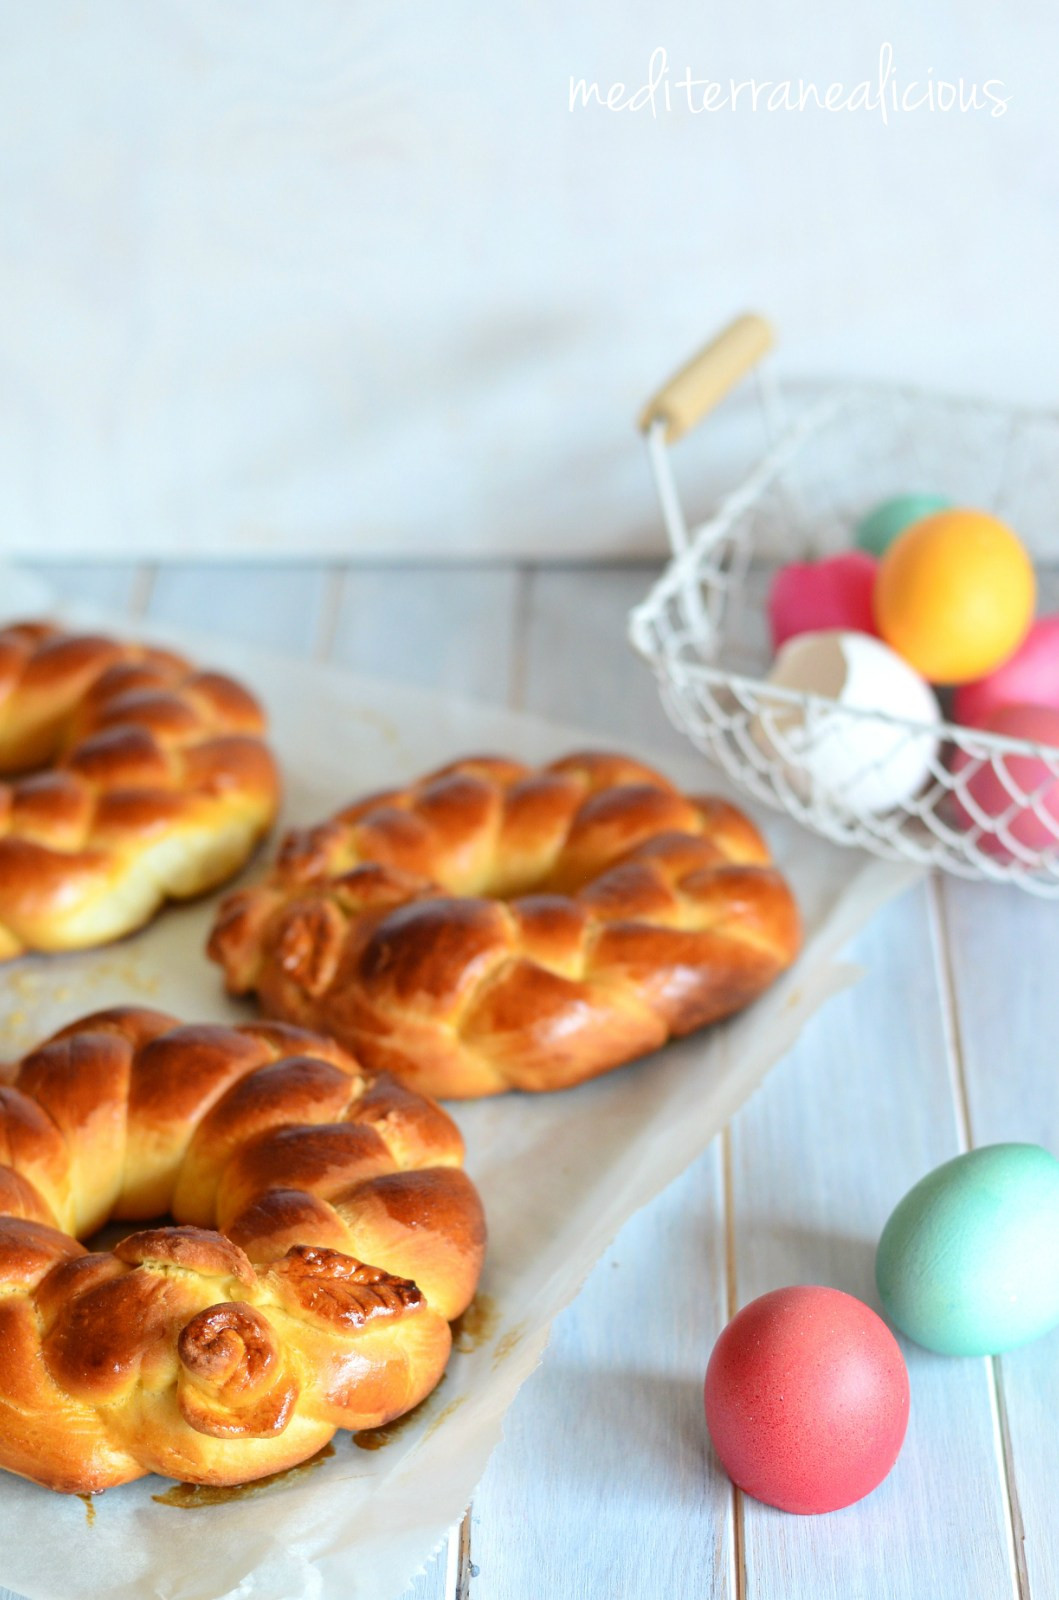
x=376, y=1438
x=188, y=1496
x=477, y=1324
x=508, y=1344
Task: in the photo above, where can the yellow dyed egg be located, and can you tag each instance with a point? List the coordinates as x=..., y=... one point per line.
x=955, y=595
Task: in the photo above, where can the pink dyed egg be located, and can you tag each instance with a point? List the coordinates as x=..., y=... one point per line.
x=1030, y=677
x=1013, y=790
x=811, y=596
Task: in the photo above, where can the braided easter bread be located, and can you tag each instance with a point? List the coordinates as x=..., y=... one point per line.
x=497, y=927
x=348, y=1237
x=142, y=780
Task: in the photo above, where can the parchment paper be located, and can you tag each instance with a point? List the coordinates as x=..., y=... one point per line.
x=559, y=1175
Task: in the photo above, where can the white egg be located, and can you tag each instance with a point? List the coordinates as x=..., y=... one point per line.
x=853, y=762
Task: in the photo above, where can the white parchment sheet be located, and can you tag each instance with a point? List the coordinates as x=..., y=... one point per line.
x=559, y=1175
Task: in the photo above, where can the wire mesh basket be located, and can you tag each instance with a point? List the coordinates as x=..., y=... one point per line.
x=703, y=627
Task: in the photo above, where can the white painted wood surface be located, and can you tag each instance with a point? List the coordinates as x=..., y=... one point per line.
x=348, y=272
x=605, y=1485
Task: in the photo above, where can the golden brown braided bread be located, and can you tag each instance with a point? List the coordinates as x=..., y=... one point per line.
x=143, y=780
x=348, y=1237
x=495, y=927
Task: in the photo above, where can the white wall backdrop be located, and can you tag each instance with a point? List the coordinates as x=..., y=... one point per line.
x=300, y=275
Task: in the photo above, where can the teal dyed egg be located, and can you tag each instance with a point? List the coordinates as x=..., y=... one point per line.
x=967, y=1264
x=877, y=531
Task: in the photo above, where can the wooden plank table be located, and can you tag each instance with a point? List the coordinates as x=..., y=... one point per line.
x=605, y=1485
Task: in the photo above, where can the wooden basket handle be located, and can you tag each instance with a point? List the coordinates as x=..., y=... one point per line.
x=705, y=380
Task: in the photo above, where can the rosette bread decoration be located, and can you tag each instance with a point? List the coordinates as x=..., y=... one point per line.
x=325, y=1237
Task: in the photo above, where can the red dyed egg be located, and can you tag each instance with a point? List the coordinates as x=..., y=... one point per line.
x=1030, y=677
x=814, y=596
x=807, y=1399
x=1015, y=799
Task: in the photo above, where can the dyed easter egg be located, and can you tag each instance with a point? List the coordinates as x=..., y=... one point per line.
x=1030, y=677
x=955, y=595
x=810, y=596
x=877, y=531
x=967, y=1263
x=1019, y=794
x=859, y=763
x=807, y=1399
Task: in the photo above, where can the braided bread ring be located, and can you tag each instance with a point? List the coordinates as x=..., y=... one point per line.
x=158, y=785
x=494, y=927
x=218, y=1357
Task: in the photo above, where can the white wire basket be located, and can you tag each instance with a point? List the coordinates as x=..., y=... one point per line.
x=703, y=627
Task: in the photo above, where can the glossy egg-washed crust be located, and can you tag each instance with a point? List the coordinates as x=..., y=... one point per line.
x=347, y=1238
x=496, y=927
x=140, y=779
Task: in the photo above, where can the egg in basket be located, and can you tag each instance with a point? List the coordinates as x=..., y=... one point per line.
x=857, y=635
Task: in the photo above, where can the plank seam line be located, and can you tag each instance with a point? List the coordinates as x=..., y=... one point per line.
x=737, y=1563
x=458, y=1569
x=1003, y=1437
x=458, y=1560
x=326, y=630
x=142, y=592
x=1016, y=1528
x=950, y=1020
x=521, y=607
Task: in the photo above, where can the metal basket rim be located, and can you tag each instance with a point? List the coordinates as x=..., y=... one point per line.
x=776, y=458
x=958, y=733
x=679, y=676
x=743, y=495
